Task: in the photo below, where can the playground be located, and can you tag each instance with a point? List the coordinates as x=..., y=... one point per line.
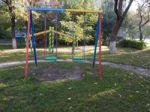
x=45, y=74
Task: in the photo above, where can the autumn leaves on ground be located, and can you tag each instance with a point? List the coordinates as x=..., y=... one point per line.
x=122, y=26
x=127, y=90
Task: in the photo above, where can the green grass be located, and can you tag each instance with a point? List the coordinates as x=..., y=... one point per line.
x=3, y=47
x=119, y=91
x=129, y=56
x=17, y=56
x=124, y=56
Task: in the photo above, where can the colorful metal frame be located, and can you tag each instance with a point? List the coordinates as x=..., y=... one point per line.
x=98, y=38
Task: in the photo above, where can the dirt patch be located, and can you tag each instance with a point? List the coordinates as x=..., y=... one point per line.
x=53, y=73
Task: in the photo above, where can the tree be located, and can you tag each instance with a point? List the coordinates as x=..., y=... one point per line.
x=4, y=31
x=121, y=12
x=130, y=25
x=78, y=4
x=11, y=8
x=109, y=19
x=144, y=15
x=73, y=23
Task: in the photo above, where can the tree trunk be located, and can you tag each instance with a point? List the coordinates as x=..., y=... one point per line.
x=118, y=9
x=141, y=34
x=113, y=37
x=13, y=27
x=13, y=24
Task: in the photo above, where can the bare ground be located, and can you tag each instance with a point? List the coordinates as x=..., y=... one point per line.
x=52, y=73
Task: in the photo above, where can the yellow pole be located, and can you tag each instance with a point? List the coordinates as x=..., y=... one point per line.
x=47, y=31
x=83, y=11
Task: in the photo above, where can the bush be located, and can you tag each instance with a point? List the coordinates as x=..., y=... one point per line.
x=132, y=44
x=4, y=35
x=105, y=42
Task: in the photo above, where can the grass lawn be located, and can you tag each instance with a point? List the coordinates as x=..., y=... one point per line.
x=128, y=56
x=3, y=47
x=119, y=91
x=124, y=56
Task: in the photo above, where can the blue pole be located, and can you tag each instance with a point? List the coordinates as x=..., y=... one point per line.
x=96, y=42
x=33, y=38
x=56, y=36
x=46, y=34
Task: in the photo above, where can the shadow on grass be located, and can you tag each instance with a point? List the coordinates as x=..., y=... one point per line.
x=118, y=91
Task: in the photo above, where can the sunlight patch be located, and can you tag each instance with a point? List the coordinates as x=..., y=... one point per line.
x=8, y=98
x=4, y=56
x=105, y=93
x=2, y=85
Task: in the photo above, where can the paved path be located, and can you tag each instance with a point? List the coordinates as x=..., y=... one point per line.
x=138, y=70
x=135, y=69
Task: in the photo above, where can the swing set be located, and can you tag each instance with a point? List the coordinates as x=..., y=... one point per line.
x=31, y=36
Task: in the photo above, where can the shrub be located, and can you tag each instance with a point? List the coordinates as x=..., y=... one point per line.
x=4, y=35
x=132, y=44
x=105, y=42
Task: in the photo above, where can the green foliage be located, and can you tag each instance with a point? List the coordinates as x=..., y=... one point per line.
x=146, y=30
x=75, y=27
x=78, y=4
x=132, y=44
x=70, y=28
x=4, y=23
x=4, y=34
x=129, y=56
x=73, y=24
x=131, y=24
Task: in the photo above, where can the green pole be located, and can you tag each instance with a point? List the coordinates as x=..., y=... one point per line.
x=73, y=48
x=50, y=42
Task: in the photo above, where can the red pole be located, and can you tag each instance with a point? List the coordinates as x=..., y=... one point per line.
x=27, y=48
x=100, y=48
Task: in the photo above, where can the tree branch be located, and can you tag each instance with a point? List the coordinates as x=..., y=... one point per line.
x=116, y=9
x=146, y=21
x=120, y=6
x=141, y=18
x=5, y=1
x=126, y=10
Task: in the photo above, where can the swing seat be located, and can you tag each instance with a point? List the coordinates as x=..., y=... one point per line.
x=78, y=59
x=51, y=58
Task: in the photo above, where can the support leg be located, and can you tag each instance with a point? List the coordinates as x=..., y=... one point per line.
x=100, y=49
x=27, y=48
